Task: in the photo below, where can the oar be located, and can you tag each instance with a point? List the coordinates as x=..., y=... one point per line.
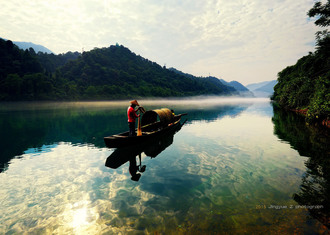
x=139, y=131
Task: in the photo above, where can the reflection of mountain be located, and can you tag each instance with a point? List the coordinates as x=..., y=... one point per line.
x=312, y=143
x=33, y=128
x=21, y=130
x=151, y=148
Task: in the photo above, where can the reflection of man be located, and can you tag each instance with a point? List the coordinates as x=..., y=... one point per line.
x=131, y=114
x=134, y=168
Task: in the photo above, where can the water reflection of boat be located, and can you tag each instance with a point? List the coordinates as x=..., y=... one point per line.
x=151, y=148
x=155, y=123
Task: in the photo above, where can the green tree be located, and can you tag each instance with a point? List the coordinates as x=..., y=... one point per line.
x=91, y=92
x=11, y=87
x=306, y=85
x=322, y=13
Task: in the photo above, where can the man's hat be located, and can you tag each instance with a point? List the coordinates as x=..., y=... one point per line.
x=134, y=102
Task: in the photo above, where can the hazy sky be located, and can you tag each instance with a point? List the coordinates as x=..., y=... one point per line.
x=243, y=40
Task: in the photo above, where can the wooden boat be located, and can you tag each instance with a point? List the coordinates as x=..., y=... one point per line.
x=150, y=148
x=154, y=123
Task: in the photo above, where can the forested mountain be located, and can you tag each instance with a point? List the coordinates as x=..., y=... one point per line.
x=24, y=76
x=16, y=61
x=36, y=47
x=305, y=86
x=116, y=72
x=51, y=62
x=103, y=73
x=212, y=80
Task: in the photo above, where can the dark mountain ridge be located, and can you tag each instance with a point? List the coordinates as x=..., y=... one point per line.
x=102, y=73
x=233, y=86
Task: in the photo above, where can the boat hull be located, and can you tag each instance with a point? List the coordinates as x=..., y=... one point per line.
x=123, y=140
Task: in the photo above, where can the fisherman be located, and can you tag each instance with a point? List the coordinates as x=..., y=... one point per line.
x=131, y=113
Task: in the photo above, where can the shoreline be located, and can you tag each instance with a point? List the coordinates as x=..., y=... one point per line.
x=323, y=122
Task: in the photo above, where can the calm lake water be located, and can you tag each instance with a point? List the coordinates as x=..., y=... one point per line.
x=237, y=166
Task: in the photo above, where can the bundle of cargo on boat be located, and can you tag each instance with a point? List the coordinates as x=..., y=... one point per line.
x=154, y=123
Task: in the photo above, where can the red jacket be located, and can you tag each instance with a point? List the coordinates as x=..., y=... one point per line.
x=131, y=114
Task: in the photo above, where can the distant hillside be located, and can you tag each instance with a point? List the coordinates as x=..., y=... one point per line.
x=238, y=86
x=232, y=86
x=243, y=91
x=269, y=87
x=37, y=48
x=262, y=89
x=103, y=73
x=218, y=83
x=255, y=86
x=212, y=80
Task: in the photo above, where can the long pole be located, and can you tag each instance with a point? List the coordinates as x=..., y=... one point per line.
x=139, y=131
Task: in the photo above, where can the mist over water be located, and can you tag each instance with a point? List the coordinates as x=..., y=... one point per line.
x=228, y=170
x=190, y=101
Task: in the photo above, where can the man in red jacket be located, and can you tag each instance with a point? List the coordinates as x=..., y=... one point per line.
x=131, y=114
